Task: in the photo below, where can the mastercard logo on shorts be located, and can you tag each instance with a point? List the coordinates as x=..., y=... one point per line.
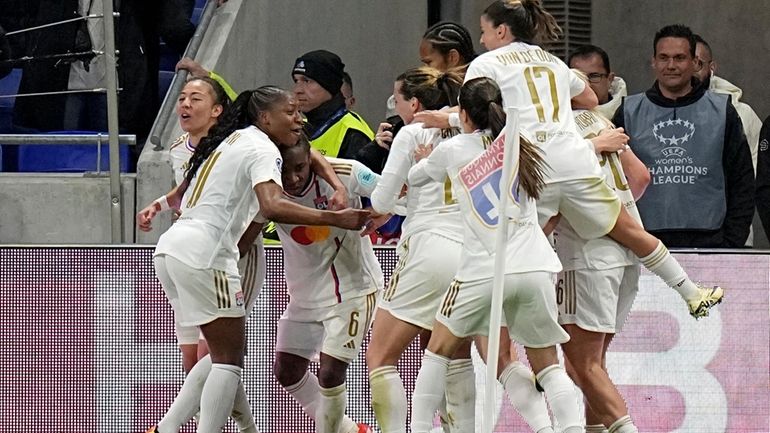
x=306, y=235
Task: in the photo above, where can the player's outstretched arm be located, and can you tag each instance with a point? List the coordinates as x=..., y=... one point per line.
x=321, y=167
x=274, y=207
x=172, y=200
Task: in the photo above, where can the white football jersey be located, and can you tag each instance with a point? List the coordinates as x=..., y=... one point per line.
x=429, y=207
x=541, y=87
x=220, y=202
x=180, y=152
x=327, y=265
x=527, y=247
x=601, y=253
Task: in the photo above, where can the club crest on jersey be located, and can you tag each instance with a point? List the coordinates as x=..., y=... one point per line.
x=321, y=203
x=481, y=179
x=239, y=298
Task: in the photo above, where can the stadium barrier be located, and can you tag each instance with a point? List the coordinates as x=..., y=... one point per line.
x=89, y=346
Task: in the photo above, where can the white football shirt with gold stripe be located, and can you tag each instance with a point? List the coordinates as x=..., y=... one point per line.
x=541, y=87
x=327, y=265
x=430, y=207
x=220, y=201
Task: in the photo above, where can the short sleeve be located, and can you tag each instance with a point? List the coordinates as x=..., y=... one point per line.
x=263, y=164
x=363, y=180
x=576, y=84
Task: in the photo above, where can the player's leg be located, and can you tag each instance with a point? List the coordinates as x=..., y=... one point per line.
x=519, y=383
x=584, y=351
x=530, y=312
x=430, y=386
x=345, y=326
x=594, y=210
x=390, y=338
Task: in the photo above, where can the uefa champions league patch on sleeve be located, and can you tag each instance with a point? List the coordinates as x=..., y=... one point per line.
x=366, y=177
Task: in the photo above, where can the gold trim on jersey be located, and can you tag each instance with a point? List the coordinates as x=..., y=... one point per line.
x=205, y=171
x=394, y=277
x=342, y=168
x=233, y=137
x=449, y=298
x=222, y=287
x=180, y=140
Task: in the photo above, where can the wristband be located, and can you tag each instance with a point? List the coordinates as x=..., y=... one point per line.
x=162, y=203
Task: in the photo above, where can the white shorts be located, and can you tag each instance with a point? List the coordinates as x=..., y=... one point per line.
x=529, y=309
x=597, y=300
x=199, y=296
x=590, y=205
x=252, y=268
x=337, y=330
x=426, y=264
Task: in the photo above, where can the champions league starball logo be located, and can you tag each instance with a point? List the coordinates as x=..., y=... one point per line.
x=673, y=134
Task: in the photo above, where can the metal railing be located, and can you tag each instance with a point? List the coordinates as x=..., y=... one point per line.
x=167, y=106
x=111, y=89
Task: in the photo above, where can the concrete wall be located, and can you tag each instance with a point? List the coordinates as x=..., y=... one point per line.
x=255, y=42
x=61, y=209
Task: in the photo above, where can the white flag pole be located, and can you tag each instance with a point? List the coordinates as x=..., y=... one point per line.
x=511, y=144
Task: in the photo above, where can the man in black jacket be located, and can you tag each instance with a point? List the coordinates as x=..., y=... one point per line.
x=763, y=176
x=692, y=141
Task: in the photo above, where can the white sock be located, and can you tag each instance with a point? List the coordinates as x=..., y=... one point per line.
x=661, y=263
x=429, y=389
x=519, y=383
x=331, y=409
x=623, y=425
x=388, y=399
x=242, y=412
x=218, y=396
x=187, y=402
x=562, y=396
x=596, y=428
x=307, y=392
x=460, y=395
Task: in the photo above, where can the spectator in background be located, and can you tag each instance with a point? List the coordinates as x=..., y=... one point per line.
x=347, y=91
x=763, y=176
x=595, y=64
x=332, y=129
x=707, y=75
x=692, y=141
x=139, y=28
x=5, y=54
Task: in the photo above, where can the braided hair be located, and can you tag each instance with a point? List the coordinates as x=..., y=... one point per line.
x=446, y=36
x=244, y=111
x=482, y=101
x=528, y=20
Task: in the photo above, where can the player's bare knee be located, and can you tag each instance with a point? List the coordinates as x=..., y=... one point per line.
x=331, y=376
x=287, y=373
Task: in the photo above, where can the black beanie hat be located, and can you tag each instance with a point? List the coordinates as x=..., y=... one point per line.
x=324, y=67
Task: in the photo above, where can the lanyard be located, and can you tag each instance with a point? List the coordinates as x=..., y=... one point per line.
x=332, y=120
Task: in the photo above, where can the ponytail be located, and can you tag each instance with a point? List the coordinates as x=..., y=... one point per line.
x=527, y=19
x=482, y=101
x=433, y=88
